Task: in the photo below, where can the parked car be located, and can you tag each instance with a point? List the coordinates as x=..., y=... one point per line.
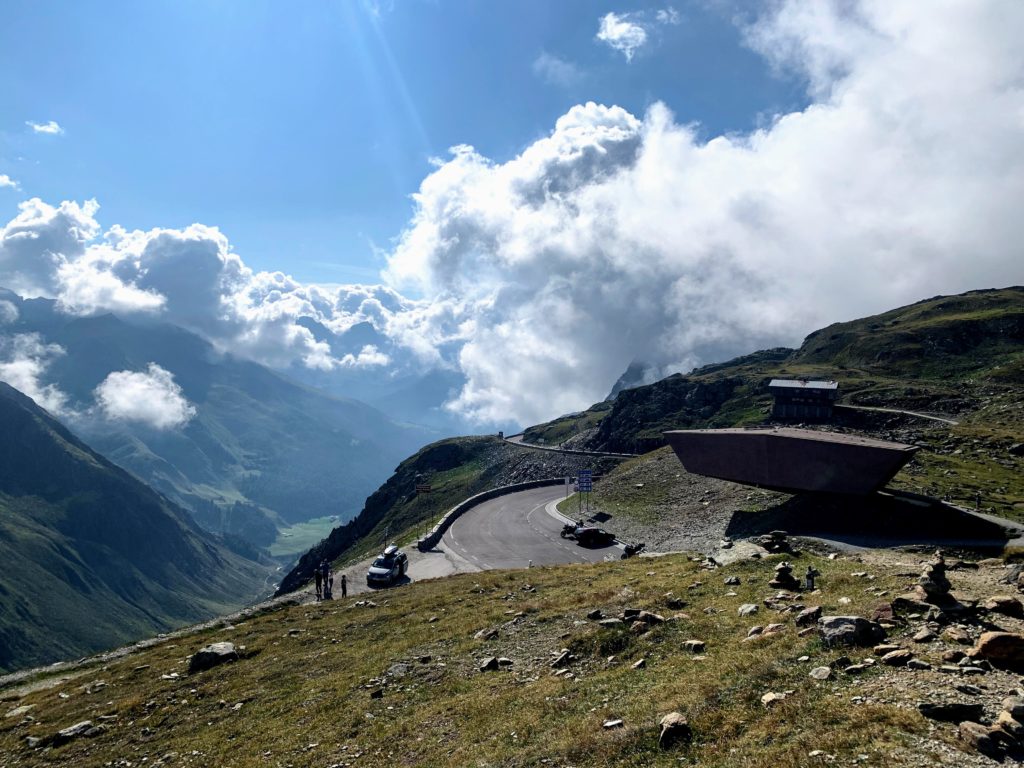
x=388, y=568
x=594, y=537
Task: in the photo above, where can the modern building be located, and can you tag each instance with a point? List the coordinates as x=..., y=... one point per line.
x=802, y=399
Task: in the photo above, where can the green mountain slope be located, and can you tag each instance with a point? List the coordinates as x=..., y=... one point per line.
x=92, y=557
x=262, y=452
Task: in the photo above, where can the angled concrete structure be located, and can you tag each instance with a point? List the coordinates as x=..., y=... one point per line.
x=792, y=460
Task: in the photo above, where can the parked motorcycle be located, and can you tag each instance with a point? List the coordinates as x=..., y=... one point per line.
x=633, y=549
x=569, y=531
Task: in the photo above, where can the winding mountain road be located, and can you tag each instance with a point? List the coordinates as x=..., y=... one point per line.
x=514, y=530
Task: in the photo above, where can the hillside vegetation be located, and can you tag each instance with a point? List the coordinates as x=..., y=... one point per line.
x=92, y=558
x=397, y=680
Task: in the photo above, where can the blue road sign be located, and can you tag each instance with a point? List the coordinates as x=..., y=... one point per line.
x=586, y=480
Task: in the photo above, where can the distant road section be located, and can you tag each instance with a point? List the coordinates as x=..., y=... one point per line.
x=518, y=440
x=510, y=531
x=928, y=416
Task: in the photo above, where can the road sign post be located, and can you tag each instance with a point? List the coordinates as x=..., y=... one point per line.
x=585, y=481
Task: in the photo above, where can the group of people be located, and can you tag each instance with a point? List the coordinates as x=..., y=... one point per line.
x=323, y=578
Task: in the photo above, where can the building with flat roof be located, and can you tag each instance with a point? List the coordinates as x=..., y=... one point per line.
x=803, y=399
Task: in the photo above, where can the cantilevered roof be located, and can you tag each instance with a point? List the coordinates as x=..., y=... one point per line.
x=803, y=384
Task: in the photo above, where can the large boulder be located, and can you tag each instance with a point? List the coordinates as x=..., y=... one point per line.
x=211, y=656
x=1002, y=649
x=849, y=630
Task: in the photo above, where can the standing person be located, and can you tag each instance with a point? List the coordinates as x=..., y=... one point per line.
x=318, y=579
x=344, y=586
x=328, y=584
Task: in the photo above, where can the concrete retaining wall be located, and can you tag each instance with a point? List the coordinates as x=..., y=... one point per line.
x=449, y=517
x=571, y=451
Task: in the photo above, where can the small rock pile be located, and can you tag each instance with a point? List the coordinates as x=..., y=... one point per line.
x=775, y=542
x=784, y=578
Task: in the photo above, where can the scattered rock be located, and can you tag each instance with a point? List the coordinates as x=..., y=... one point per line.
x=953, y=656
x=1015, y=706
x=970, y=690
x=24, y=709
x=595, y=615
x=979, y=737
x=951, y=712
x=674, y=730
x=486, y=634
x=490, y=664
x=211, y=656
x=561, y=660
x=1006, y=605
x=924, y=635
x=897, y=658
x=694, y=646
x=732, y=581
x=84, y=728
x=1009, y=725
x=505, y=662
x=611, y=724
x=772, y=698
x=610, y=622
x=849, y=630
x=1003, y=649
x=821, y=673
x=640, y=664
x=884, y=648
x=957, y=635
x=808, y=616
x=918, y=664
x=748, y=609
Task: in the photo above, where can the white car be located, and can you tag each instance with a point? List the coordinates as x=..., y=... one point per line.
x=388, y=568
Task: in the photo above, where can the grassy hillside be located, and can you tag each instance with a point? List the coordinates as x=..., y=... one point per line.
x=92, y=557
x=961, y=357
x=396, y=681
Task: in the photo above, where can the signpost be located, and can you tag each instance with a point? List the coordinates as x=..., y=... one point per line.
x=585, y=484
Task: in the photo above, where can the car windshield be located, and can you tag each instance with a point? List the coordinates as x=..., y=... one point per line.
x=383, y=562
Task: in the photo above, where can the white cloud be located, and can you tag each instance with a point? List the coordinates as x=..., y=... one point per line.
x=620, y=33
x=369, y=357
x=24, y=359
x=151, y=398
x=556, y=71
x=50, y=127
x=7, y=181
x=621, y=237
x=667, y=15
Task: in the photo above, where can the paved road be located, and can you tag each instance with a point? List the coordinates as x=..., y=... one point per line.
x=512, y=530
x=919, y=415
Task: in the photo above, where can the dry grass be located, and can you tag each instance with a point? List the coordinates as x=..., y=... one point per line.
x=306, y=682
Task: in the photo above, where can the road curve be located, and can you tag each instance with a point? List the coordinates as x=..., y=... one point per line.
x=513, y=530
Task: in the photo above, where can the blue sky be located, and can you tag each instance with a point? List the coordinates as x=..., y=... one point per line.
x=301, y=129
x=619, y=206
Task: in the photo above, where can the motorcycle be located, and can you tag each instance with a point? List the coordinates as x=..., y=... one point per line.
x=633, y=549
x=569, y=531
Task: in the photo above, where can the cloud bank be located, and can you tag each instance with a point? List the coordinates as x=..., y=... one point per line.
x=151, y=398
x=622, y=237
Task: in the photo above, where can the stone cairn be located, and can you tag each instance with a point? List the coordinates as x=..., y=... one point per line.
x=933, y=586
x=784, y=578
x=775, y=542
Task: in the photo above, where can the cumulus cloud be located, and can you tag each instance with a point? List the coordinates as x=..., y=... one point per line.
x=622, y=237
x=50, y=127
x=8, y=312
x=619, y=238
x=24, y=360
x=7, y=181
x=151, y=398
x=620, y=33
x=556, y=71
